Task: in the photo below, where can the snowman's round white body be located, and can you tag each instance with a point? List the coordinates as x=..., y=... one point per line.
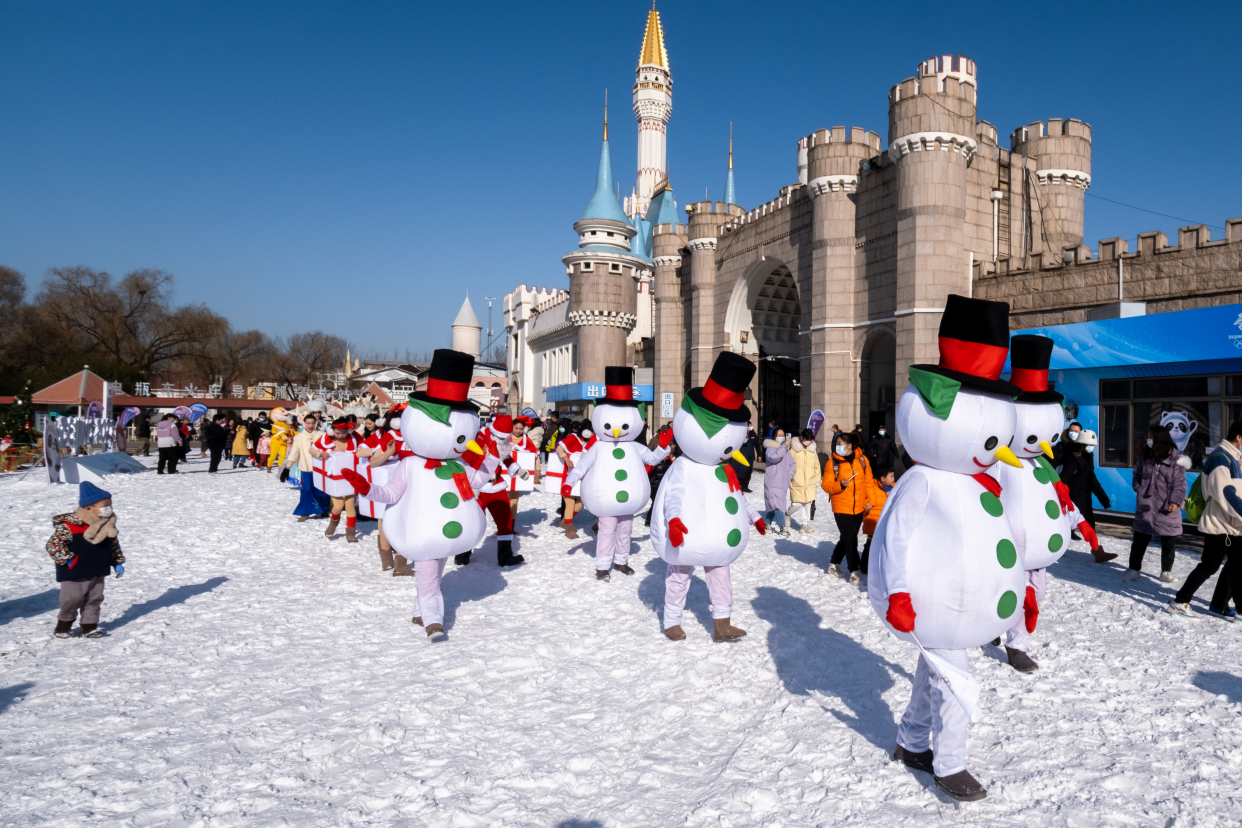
x=717, y=520
x=432, y=520
x=1040, y=530
x=961, y=567
x=616, y=485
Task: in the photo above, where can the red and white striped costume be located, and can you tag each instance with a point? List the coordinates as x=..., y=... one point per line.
x=328, y=471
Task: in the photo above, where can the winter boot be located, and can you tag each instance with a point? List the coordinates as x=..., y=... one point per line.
x=63, y=628
x=463, y=558
x=417, y=620
x=1020, y=661
x=571, y=531
x=332, y=522
x=996, y=642
x=303, y=518
x=595, y=528
x=603, y=575
x=505, y=556
x=915, y=761
x=1101, y=556
x=726, y=631
x=961, y=786
x=401, y=567
x=351, y=534
x=675, y=633
x=435, y=633
x=385, y=557
x=91, y=631
x=624, y=569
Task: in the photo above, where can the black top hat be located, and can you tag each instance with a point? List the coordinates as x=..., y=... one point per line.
x=619, y=381
x=725, y=389
x=1029, y=358
x=448, y=380
x=974, y=342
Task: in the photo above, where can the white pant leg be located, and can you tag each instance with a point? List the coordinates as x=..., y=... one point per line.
x=1017, y=637
x=720, y=588
x=800, y=512
x=934, y=719
x=914, y=730
x=676, y=586
x=430, y=604
x=605, y=542
x=621, y=540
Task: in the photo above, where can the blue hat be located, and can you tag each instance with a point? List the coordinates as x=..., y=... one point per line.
x=89, y=493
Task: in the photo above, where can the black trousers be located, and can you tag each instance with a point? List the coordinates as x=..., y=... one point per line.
x=169, y=456
x=1083, y=502
x=216, y=453
x=866, y=555
x=847, y=547
x=1216, y=549
x=1138, y=548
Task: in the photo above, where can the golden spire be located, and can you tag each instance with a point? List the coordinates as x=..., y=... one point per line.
x=653, y=52
x=605, y=114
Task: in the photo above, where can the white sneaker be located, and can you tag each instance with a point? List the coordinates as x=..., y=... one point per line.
x=1166, y=577
x=854, y=578
x=1183, y=610
x=1131, y=575
x=833, y=569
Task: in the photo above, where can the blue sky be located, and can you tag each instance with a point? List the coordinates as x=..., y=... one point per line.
x=356, y=167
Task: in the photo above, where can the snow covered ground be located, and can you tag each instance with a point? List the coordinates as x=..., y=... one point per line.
x=256, y=673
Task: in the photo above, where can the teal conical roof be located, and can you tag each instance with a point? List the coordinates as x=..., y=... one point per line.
x=604, y=205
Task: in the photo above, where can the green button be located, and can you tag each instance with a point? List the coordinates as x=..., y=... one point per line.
x=1007, y=604
x=452, y=529
x=1055, y=543
x=735, y=537
x=444, y=472
x=621, y=475
x=720, y=474
x=991, y=504
x=1006, y=553
x=1053, y=510
x=618, y=453
x=731, y=505
x=1041, y=475
x=623, y=496
x=449, y=500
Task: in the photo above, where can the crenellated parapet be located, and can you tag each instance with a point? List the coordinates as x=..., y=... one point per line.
x=935, y=108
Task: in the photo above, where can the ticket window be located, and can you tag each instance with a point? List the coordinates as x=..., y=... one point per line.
x=1196, y=410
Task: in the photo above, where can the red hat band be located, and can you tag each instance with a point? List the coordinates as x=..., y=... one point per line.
x=974, y=358
x=717, y=394
x=445, y=390
x=620, y=393
x=1030, y=379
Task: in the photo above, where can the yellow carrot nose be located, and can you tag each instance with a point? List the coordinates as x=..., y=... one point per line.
x=1046, y=447
x=473, y=446
x=1007, y=457
x=616, y=432
x=737, y=455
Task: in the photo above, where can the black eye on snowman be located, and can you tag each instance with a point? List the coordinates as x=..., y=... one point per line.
x=991, y=443
x=1053, y=439
x=607, y=426
x=728, y=449
x=1032, y=440
x=461, y=438
x=625, y=427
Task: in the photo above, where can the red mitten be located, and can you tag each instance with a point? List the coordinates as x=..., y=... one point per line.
x=473, y=459
x=1032, y=609
x=677, y=531
x=360, y=484
x=666, y=437
x=1064, y=496
x=567, y=490
x=1088, y=534
x=761, y=526
x=900, y=612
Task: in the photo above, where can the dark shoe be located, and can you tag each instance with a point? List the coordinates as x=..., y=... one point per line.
x=624, y=569
x=63, y=629
x=401, y=567
x=505, y=556
x=603, y=575
x=463, y=558
x=595, y=529
x=435, y=633
x=915, y=761
x=675, y=633
x=1020, y=661
x=996, y=642
x=331, y=530
x=303, y=518
x=961, y=786
x=571, y=531
x=91, y=631
x=1101, y=556
x=351, y=534
x=385, y=557
x=417, y=620
x=726, y=631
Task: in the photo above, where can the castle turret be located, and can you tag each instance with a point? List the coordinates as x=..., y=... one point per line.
x=1061, y=150
x=668, y=239
x=653, y=106
x=466, y=330
x=931, y=131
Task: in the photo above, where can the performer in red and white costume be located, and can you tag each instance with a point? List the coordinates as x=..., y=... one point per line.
x=496, y=441
x=379, y=457
x=335, y=453
x=570, y=450
x=526, y=452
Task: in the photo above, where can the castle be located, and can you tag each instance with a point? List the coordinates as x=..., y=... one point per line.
x=836, y=286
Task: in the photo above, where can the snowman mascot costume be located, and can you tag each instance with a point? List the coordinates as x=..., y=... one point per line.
x=432, y=512
x=1037, y=502
x=944, y=567
x=700, y=516
x=614, y=471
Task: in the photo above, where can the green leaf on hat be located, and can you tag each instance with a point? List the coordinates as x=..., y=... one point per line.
x=937, y=391
x=709, y=421
x=437, y=412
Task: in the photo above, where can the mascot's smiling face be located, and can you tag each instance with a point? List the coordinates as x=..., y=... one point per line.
x=967, y=440
x=1180, y=428
x=435, y=440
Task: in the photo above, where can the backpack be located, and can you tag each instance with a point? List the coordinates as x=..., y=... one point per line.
x=1196, y=503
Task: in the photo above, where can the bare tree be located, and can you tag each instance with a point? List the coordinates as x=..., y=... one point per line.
x=231, y=356
x=12, y=289
x=304, y=358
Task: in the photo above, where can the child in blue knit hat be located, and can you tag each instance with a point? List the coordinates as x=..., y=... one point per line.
x=84, y=548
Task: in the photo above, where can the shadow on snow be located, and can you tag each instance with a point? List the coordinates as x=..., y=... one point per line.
x=171, y=597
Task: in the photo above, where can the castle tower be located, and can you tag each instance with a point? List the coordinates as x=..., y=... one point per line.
x=931, y=132
x=603, y=275
x=466, y=330
x=1062, y=152
x=653, y=106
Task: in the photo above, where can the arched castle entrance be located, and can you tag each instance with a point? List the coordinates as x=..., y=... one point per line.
x=762, y=322
x=878, y=381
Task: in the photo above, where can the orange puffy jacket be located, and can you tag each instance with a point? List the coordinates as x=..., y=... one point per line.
x=877, y=499
x=848, y=480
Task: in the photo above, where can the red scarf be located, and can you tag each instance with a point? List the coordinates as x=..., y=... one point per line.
x=988, y=482
x=734, y=486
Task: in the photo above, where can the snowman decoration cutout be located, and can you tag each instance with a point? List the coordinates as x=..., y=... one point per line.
x=944, y=567
x=432, y=512
x=1040, y=511
x=700, y=516
x=614, y=471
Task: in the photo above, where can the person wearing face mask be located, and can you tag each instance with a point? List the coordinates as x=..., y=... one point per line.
x=848, y=480
x=880, y=451
x=777, y=476
x=1160, y=489
x=1068, y=439
x=805, y=483
x=1078, y=475
x=882, y=483
x=85, y=549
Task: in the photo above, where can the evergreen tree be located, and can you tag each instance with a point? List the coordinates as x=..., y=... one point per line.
x=18, y=421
